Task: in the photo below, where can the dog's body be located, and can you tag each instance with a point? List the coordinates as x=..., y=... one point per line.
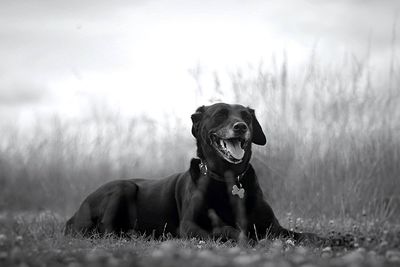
x=219, y=196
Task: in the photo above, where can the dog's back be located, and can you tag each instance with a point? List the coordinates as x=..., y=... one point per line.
x=113, y=207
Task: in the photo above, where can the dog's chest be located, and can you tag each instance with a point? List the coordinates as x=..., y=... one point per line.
x=224, y=204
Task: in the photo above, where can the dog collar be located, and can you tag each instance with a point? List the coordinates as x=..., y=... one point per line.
x=236, y=190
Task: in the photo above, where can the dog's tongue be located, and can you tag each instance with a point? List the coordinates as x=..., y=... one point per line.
x=234, y=148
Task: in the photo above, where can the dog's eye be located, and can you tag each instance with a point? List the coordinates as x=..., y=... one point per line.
x=221, y=114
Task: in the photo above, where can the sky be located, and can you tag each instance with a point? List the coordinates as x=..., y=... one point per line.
x=61, y=57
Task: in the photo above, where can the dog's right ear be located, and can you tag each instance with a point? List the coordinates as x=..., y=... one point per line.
x=196, y=118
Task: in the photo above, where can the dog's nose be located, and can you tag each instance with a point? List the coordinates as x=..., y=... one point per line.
x=240, y=127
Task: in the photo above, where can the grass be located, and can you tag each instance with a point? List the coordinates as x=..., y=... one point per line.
x=331, y=164
x=33, y=239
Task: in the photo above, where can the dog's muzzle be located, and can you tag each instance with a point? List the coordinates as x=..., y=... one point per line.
x=232, y=149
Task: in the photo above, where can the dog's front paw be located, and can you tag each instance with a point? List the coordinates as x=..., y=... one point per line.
x=226, y=232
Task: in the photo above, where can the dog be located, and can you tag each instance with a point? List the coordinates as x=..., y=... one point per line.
x=218, y=197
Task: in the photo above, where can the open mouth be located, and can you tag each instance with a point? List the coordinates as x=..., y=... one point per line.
x=231, y=149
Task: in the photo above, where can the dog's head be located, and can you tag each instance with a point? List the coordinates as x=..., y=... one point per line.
x=224, y=134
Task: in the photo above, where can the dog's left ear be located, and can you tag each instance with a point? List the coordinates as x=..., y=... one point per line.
x=196, y=118
x=258, y=134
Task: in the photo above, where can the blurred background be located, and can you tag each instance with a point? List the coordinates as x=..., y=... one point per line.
x=92, y=91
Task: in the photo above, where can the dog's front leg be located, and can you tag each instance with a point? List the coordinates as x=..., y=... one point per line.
x=220, y=229
x=304, y=238
x=193, y=207
x=189, y=229
x=264, y=224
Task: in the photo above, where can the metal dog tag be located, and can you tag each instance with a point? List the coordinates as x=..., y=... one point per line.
x=238, y=191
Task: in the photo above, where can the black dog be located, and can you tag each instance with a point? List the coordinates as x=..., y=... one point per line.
x=219, y=196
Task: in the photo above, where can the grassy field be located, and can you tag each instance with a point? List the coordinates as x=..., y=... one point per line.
x=32, y=239
x=331, y=165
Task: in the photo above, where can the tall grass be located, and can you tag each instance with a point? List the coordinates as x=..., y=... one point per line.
x=333, y=145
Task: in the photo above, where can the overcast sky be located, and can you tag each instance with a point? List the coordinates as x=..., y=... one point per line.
x=59, y=56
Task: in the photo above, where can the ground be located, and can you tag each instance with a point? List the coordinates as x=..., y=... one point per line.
x=36, y=239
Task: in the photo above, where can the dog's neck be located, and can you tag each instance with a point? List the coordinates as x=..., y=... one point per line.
x=206, y=171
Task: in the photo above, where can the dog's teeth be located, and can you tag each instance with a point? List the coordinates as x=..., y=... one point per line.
x=222, y=143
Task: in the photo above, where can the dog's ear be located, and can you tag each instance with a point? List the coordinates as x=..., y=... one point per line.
x=196, y=118
x=258, y=134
